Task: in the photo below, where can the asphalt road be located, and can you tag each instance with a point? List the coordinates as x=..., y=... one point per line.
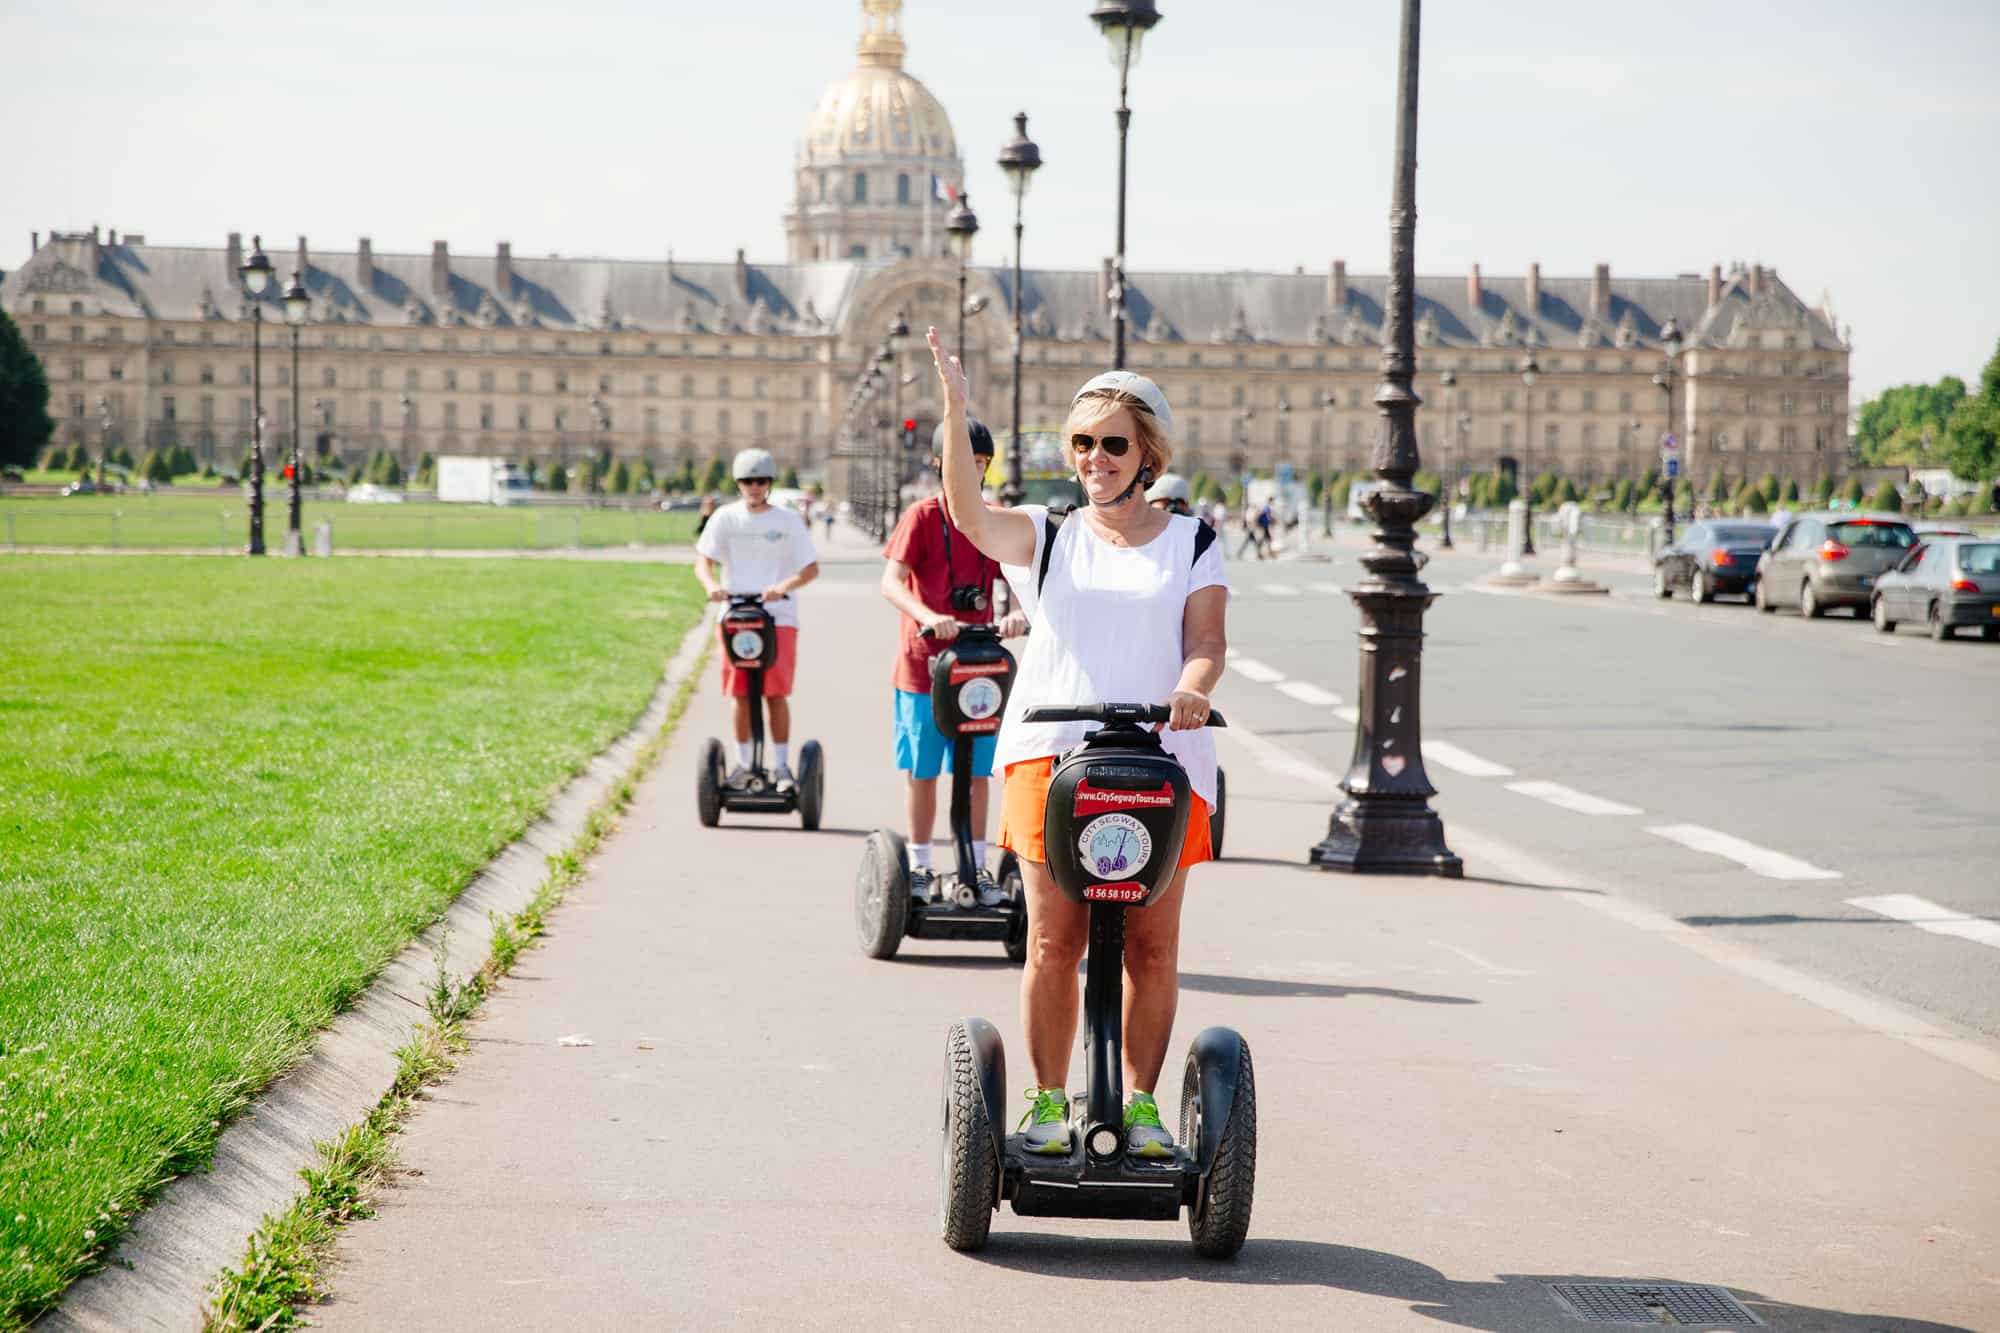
x=1865, y=760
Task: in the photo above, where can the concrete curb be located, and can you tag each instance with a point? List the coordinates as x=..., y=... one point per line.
x=199, y=1224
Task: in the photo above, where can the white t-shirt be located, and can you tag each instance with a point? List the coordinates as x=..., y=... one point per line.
x=1106, y=628
x=757, y=550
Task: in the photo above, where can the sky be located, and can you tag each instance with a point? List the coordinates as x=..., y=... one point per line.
x=1853, y=146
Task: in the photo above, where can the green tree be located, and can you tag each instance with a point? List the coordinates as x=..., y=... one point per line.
x=715, y=477
x=426, y=478
x=790, y=478
x=153, y=467
x=1852, y=492
x=1718, y=488
x=1823, y=489
x=558, y=479
x=1768, y=485
x=1890, y=428
x=1790, y=493
x=1621, y=496
x=621, y=479
x=1754, y=501
x=1887, y=499
x=1972, y=435
x=25, y=424
x=646, y=483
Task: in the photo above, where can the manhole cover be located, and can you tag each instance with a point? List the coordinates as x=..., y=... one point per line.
x=1653, y=1303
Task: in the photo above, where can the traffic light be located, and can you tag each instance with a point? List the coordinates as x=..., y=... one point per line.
x=909, y=433
x=288, y=472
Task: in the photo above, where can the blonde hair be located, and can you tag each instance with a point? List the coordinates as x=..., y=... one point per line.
x=1155, y=450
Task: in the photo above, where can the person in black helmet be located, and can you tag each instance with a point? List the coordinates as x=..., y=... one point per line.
x=928, y=559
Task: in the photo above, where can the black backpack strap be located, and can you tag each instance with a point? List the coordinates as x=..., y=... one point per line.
x=1050, y=526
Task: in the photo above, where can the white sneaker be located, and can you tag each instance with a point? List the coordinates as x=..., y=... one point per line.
x=922, y=880
x=990, y=892
x=783, y=779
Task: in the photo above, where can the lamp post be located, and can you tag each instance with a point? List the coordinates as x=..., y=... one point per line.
x=600, y=425
x=1531, y=370
x=297, y=306
x=1327, y=400
x=408, y=410
x=1670, y=340
x=1445, y=475
x=877, y=381
x=1386, y=824
x=103, y=437
x=961, y=227
x=899, y=342
x=1020, y=159
x=256, y=274
x=1124, y=24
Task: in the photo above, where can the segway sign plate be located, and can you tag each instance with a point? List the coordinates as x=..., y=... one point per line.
x=747, y=645
x=1115, y=846
x=1115, y=893
x=980, y=699
x=1095, y=800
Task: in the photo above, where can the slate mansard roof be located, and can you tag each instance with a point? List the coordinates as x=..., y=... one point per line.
x=503, y=292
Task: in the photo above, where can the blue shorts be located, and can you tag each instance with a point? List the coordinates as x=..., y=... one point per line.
x=922, y=750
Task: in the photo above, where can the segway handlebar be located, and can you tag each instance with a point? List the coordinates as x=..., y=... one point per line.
x=1110, y=714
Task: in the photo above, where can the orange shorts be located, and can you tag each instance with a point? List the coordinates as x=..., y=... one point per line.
x=1024, y=797
x=777, y=677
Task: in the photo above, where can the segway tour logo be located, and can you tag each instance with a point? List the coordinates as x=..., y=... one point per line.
x=979, y=698
x=1090, y=800
x=746, y=644
x=1115, y=846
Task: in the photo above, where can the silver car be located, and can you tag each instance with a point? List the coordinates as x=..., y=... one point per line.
x=1946, y=582
x=1821, y=561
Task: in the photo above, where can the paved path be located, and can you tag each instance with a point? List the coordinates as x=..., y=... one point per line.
x=1469, y=1091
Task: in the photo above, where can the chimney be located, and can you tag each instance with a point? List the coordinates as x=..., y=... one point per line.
x=1473, y=292
x=742, y=275
x=440, y=270
x=304, y=263
x=1600, y=291
x=111, y=237
x=1336, y=286
x=34, y=241
x=503, y=271
x=1714, y=286
x=234, y=256
x=1534, y=290
x=1756, y=279
x=364, y=264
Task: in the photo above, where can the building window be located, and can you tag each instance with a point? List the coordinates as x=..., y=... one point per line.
x=652, y=421
x=562, y=381
x=1786, y=404
x=760, y=424
x=207, y=408
x=486, y=381
x=902, y=189
x=1750, y=439
x=374, y=377
x=1625, y=400
x=722, y=423
x=409, y=379
x=524, y=382
x=521, y=417
x=1236, y=395
x=167, y=412
x=687, y=386
x=486, y=416
x=38, y=332
x=76, y=370
x=375, y=412
x=1590, y=400
x=652, y=386
x=1554, y=400
x=451, y=416
x=860, y=187
x=722, y=386
x=1589, y=435
x=687, y=421
x=450, y=379
x=1552, y=437
x=117, y=370
x=167, y=373
x=243, y=411
x=1506, y=435
x=604, y=384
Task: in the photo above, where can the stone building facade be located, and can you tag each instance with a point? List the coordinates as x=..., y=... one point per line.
x=553, y=358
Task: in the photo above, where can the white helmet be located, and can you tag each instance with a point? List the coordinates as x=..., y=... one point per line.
x=1170, y=486
x=754, y=464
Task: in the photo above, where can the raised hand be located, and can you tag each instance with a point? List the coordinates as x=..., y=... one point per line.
x=951, y=375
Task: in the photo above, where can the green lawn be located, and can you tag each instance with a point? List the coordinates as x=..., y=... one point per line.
x=230, y=791
x=221, y=519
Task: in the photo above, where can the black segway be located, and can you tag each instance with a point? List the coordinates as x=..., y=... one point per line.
x=1116, y=818
x=750, y=638
x=1221, y=815
x=969, y=685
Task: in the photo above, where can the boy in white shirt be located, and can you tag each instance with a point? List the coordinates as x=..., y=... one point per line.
x=763, y=549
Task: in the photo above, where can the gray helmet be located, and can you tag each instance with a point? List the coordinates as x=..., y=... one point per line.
x=1170, y=486
x=755, y=464
x=982, y=438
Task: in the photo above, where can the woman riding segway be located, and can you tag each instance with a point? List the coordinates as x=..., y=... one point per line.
x=1128, y=602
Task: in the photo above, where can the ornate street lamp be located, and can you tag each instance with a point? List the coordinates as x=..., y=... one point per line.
x=297, y=306
x=1020, y=159
x=1386, y=824
x=1670, y=339
x=1125, y=24
x=256, y=275
x=408, y=410
x=962, y=226
x=1531, y=370
x=898, y=344
x=103, y=437
x=1327, y=402
x=600, y=425
x=1445, y=475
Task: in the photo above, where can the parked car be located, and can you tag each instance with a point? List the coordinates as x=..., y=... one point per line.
x=1712, y=558
x=1946, y=582
x=1821, y=561
x=81, y=486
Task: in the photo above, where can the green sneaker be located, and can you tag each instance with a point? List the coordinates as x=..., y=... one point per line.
x=1144, y=1135
x=1046, y=1124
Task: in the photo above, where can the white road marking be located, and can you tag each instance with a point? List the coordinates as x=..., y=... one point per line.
x=1568, y=798
x=1757, y=860
x=1281, y=590
x=1927, y=915
x=1485, y=965
x=1463, y=761
x=1308, y=694
x=1348, y=714
x=1256, y=670
x=1326, y=587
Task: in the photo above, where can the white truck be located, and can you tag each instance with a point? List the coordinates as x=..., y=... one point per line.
x=492, y=481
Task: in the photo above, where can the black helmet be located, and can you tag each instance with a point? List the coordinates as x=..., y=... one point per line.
x=982, y=438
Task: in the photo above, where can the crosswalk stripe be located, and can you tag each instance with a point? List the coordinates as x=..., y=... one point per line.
x=1568, y=798
x=1758, y=860
x=1463, y=761
x=1256, y=670
x=1927, y=915
x=1307, y=693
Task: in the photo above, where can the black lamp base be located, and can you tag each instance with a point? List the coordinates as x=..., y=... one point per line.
x=1386, y=836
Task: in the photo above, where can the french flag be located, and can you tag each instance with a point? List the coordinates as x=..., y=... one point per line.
x=942, y=191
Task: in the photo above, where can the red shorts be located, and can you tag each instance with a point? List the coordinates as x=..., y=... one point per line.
x=777, y=677
x=1025, y=797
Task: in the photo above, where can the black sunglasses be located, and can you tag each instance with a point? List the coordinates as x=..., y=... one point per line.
x=1115, y=445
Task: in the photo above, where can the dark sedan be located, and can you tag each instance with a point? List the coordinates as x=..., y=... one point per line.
x=1945, y=583
x=1712, y=558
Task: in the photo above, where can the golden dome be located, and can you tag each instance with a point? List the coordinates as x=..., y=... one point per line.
x=878, y=111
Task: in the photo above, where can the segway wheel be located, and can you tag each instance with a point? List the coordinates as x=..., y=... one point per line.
x=1216, y=819
x=882, y=894
x=708, y=784
x=1219, y=1218
x=1017, y=890
x=812, y=784
x=968, y=1173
